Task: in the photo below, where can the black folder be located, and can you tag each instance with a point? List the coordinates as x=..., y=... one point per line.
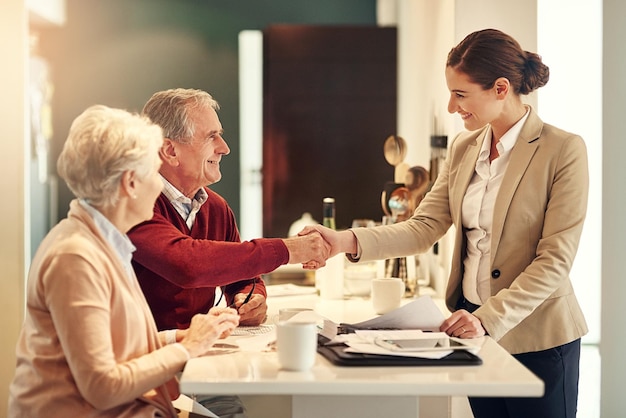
x=336, y=354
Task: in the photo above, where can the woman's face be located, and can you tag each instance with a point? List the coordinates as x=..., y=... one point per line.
x=477, y=107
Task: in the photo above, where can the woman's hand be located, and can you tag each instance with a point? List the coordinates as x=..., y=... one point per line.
x=463, y=324
x=307, y=249
x=205, y=329
x=338, y=241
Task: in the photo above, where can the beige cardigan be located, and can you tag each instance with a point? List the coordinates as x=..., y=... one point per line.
x=538, y=219
x=88, y=346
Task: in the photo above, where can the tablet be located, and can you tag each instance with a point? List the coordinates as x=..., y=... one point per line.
x=424, y=344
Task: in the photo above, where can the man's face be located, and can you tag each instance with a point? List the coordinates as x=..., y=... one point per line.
x=199, y=160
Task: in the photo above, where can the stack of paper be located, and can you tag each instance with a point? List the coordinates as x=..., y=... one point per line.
x=419, y=319
x=421, y=314
x=365, y=342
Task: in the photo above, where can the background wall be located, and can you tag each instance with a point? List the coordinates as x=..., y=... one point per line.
x=13, y=47
x=613, y=341
x=118, y=53
x=580, y=111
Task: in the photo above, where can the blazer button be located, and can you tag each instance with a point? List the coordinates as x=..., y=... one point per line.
x=495, y=274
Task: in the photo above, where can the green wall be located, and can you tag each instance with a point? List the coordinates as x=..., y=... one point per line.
x=119, y=52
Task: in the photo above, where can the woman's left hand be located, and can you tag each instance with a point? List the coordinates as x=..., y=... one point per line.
x=463, y=324
x=205, y=329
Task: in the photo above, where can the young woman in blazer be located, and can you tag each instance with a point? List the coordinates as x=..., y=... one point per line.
x=515, y=189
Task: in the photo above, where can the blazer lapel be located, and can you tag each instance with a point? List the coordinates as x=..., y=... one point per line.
x=521, y=155
x=464, y=172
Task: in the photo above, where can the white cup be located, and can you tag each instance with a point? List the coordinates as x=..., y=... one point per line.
x=296, y=343
x=329, y=278
x=386, y=294
x=285, y=314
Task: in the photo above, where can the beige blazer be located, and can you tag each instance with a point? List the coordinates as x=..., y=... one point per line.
x=538, y=220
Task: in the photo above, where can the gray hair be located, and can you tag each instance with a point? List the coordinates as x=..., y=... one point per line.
x=103, y=143
x=170, y=110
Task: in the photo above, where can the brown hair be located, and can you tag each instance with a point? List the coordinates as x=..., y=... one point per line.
x=486, y=55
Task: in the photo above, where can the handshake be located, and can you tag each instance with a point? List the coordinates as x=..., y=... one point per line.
x=316, y=244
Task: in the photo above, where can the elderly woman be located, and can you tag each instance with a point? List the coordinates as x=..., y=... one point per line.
x=89, y=346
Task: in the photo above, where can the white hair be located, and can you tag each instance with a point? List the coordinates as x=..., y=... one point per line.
x=102, y=144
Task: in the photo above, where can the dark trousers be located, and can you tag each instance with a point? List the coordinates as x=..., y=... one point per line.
x=558, y=367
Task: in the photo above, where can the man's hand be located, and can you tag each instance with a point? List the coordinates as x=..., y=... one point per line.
x=308, y=248
x=338, y=242
x=253, y=312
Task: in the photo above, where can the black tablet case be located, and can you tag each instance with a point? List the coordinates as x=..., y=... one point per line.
x=336, y=354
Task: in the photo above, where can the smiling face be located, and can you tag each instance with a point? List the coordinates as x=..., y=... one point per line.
x=190, y=166
x=476, y=106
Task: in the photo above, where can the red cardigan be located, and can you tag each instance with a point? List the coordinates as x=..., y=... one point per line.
x=178, y=269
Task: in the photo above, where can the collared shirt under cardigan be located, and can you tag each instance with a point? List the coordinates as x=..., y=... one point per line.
x=124, y=249
x=89, y=345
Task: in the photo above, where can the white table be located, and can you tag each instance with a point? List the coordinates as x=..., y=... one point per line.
x=331, y=391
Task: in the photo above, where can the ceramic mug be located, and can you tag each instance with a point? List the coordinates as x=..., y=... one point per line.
x=386, y=294
x=296, y=343
x=285, y=314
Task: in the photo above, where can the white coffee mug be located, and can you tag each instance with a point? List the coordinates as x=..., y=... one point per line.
x=300, y=314
x=296, y=343
x=386, y=294
x=285, y=314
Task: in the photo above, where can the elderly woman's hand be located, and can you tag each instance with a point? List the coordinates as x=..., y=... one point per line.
x=205, y=329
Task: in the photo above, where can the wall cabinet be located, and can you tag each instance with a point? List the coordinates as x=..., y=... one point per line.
x=329, y=104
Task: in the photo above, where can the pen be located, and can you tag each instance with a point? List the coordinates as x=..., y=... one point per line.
x=246, y=300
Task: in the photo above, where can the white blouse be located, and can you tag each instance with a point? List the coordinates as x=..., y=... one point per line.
x=477, y=213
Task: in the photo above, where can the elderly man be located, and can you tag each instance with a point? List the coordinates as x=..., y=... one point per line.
x=192, y=245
